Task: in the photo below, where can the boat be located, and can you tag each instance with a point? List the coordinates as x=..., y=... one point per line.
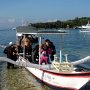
x=13, y=28
x=85, y=28
x=59, y=74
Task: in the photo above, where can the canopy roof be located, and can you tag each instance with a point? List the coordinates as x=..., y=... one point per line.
x=52, y=32
x=26, y=29
x=32, y=30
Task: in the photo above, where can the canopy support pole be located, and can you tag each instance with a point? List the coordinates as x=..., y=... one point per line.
x=60, y=48
x=40, y=43
x=24, y=48
x=60, y=56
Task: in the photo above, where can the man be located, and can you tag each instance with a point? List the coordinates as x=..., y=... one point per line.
x=7, y=51
x=28, y=48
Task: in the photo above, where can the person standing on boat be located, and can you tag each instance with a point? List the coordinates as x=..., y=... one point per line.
x=20, y=44
x=35, y=55
x=28, y=48
x=46, y=52
x=21, y=40
x=53, y=50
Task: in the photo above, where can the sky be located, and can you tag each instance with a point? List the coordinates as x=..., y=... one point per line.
x=15, y=12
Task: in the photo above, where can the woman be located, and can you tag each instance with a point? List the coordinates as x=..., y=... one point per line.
x=46, y=52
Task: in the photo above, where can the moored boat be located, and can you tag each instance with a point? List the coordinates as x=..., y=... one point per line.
x=85, y=28
x=58, y=74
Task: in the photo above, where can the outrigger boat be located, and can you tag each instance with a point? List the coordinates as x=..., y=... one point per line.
x=58, y=74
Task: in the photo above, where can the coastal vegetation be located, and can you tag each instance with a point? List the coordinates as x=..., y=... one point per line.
x=74, y=23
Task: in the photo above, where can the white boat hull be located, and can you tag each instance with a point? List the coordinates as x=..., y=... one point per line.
x=85, y=30
x=59, y=80
x=70, y=80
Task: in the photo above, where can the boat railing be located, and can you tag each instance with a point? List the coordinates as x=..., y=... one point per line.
x=62, y=66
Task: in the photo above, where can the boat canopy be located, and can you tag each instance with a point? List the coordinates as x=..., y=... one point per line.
x=52, y=32
x=32, y=30
x=25, y=30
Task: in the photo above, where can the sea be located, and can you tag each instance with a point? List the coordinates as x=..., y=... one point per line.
x=75, y=44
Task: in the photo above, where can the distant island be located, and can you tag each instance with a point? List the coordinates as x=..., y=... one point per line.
x=62, y=24
x=68, y=24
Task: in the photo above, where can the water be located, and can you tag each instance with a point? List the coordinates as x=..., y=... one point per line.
x=75, y=44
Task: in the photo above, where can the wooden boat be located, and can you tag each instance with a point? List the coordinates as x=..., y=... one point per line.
x=58, y=74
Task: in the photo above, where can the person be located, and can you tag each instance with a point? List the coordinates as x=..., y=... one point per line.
x=21, y=41
x=20, y=48
x=33, y=39
x=11, y=51
x=28, y=48
x=7, y=51
x=46, y=51
x=35, y=55
x=53, y=51
x=20, y=44
x=14, y=54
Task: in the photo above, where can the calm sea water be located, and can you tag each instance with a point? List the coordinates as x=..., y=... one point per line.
x=75, y=44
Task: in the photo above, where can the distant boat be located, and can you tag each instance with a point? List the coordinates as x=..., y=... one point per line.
x=85, y=28
x=13, y=28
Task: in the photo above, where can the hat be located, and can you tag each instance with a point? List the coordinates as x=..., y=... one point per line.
x=10, y=43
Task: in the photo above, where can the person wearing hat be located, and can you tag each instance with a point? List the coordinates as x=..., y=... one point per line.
x=7, y=51
x=10, y=43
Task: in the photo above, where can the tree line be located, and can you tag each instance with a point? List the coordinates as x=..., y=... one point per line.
x=62, y=24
